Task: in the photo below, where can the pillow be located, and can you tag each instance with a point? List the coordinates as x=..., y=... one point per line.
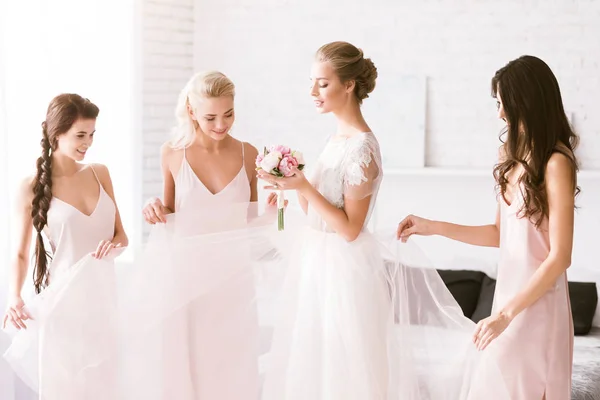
x=464, y=286
x=486, y=299
x=584, y=299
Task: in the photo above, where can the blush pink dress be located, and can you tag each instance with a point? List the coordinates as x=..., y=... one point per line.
x=61, y=353
x=203, y=346
x=535, y=353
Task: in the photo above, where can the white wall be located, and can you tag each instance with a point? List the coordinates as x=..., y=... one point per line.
x=167, y=64
x=267, y=48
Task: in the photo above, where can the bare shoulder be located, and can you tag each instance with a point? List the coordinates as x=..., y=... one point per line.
x=103, y=175
x=559, y=163
x=560, y=172
x=250, y=151
x=101, y=170
x=166, y=150
x=250, y=154
x=169, y=155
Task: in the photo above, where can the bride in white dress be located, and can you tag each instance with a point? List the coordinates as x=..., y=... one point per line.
x=355, y=322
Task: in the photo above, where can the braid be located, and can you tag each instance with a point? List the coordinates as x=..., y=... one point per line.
x=42, y=194
x=64, y=110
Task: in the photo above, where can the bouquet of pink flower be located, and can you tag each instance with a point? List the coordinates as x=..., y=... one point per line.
x=280, y=161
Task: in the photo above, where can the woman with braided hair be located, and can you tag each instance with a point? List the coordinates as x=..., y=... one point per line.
x=72, y=208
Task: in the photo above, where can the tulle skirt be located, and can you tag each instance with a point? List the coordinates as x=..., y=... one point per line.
x=371, y=319
x=62, y=354
x=220, y=305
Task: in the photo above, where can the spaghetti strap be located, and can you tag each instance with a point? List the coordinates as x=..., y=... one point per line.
x=96, y=175
x=243, y=160
x=184, y=159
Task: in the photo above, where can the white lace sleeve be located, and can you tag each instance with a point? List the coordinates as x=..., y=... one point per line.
x=362, y=169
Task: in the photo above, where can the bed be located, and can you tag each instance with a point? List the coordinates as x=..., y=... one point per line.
x=586, y=366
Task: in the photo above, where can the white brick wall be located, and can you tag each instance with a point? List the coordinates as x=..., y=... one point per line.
x=267, y=49
x=167, y=64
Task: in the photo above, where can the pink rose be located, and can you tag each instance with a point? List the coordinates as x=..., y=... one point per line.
x=282, y=149
x=287, y=164
x=259, y=159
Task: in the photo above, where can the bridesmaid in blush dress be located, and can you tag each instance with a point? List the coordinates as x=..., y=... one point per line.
x=209, y=346
x=65, y=331
x=530, y=332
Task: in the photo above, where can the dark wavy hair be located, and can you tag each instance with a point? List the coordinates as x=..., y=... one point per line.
x=62, y=113
x=536, y=128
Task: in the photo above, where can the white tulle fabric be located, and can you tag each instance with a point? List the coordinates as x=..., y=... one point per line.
x=308, y=315
x=370, y=319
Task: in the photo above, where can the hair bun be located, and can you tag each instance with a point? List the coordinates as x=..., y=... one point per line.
x=349, y=64
x=365, y=82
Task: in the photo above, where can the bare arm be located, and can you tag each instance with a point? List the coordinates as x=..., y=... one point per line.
x=303, y=202
x=561, y=216
x=155, y=210
x=15, y=314
x=20, y=262
x=166, y=155
x=483, y=235
x=119, y=237
x=349, y=222
x=250, y=156
x=250, y=166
